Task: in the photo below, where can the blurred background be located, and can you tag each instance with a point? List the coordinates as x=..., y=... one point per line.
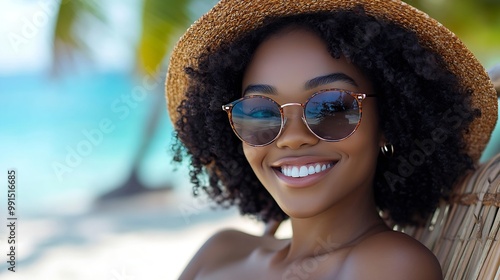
x=84, y=124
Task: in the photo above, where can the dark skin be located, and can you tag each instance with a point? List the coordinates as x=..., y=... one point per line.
x=336, y=230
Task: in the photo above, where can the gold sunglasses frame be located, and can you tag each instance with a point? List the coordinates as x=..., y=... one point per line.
x=359, y=97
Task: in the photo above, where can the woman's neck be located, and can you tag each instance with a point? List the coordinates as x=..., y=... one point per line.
x=340, y=226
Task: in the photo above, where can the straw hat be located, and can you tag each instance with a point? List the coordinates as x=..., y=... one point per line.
x=230, y=19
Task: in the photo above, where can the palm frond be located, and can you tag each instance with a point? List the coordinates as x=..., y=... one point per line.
x=162, y=20
x=67, y=41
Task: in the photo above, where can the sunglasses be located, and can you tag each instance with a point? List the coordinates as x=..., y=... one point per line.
x=331, y=115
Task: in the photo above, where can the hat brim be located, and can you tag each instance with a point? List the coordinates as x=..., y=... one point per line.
x=230, y=19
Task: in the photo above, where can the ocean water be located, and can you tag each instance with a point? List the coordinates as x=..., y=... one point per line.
x=73, y=138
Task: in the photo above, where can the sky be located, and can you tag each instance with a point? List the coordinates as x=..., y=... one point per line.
x=26, y=35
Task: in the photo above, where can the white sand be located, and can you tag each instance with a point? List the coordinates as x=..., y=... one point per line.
x=102, y=251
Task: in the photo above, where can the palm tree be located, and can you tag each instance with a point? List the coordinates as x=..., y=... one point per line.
x=162, y=21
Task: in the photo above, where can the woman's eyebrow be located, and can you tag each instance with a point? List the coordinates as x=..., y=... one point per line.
x=313, y=83
x=266, y=89
x=327, y=79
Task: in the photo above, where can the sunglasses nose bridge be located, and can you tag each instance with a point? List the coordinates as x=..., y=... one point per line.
x=299, y=113
x=289, y=105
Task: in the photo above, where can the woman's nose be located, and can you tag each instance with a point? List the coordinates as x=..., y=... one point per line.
x=295, y=133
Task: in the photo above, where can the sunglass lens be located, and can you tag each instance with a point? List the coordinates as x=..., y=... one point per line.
x=332, y=115
x=256, y=120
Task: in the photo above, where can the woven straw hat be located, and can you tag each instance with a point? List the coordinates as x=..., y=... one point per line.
x=230, y=19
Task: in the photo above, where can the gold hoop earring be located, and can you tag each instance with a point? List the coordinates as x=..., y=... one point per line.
x=387, y=150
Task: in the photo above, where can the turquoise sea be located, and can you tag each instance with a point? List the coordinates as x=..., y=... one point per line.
x=73, y=138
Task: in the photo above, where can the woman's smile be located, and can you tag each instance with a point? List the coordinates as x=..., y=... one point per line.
x=305, y=171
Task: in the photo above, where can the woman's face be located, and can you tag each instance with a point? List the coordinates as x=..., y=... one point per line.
x=286, y=62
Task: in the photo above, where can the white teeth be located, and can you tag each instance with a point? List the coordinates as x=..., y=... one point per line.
x=311, y=170
x=304, y=170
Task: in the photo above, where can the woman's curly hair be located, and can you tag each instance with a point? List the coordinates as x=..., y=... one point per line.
x=423, y=112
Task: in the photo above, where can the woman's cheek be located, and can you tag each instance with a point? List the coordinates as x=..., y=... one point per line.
x=251, y=154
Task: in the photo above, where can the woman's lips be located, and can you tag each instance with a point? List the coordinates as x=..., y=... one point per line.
x=304, y=175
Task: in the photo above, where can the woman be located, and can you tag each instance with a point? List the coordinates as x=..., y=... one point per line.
x=340, y=110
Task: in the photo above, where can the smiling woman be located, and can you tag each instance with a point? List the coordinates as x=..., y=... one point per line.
x=350, y=161
x=330, y=104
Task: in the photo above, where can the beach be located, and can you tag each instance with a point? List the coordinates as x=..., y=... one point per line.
x=149, y=236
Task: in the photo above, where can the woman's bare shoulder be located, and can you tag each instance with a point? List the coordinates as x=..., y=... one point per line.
x=391, y=255
x=221, y=248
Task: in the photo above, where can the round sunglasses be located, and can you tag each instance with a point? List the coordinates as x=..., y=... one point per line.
x=331, y=115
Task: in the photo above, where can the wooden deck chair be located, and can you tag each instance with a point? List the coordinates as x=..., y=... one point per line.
x=464, y=232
